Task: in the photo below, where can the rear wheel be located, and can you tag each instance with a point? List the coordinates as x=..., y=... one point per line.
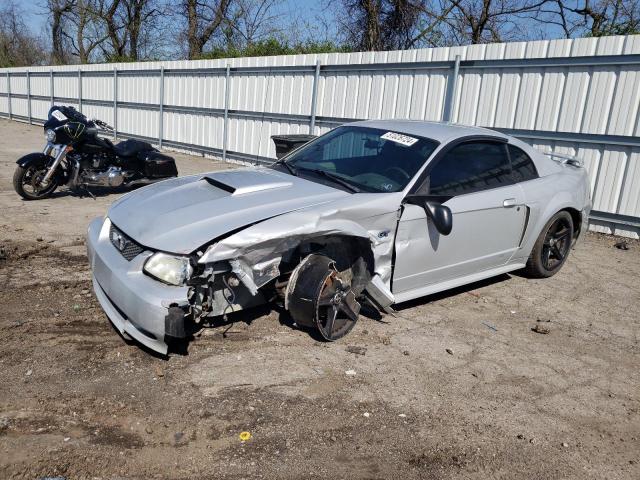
x=27, y=182
x=320, y=297
x=552, y=247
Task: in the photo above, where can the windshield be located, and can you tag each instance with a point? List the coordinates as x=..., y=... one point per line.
x=367, y=159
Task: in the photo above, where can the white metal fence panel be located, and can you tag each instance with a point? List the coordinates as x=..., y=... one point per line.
x=574, y=96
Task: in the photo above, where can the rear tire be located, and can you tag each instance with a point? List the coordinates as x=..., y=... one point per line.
x=27, y=177
x=552, y=247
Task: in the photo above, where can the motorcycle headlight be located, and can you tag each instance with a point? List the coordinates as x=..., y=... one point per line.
x=51, y=135
x=171, y=269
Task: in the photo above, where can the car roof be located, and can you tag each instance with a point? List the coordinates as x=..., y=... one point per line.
x=440, y=131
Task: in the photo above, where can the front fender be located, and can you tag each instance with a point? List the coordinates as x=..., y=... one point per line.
x=33, y=159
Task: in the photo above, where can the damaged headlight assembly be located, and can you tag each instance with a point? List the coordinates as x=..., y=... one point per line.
x=171, y=269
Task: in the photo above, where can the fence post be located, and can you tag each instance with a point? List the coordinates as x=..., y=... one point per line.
x=161, y=118
x=79, y=89
x=51, y=86
x=314, y=98
x=115, y=103
x=225, y=130
x=29, y=96
x=451, y=91
x=9, y=94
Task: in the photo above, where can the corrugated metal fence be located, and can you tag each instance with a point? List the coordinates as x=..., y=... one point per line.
x=579, y=97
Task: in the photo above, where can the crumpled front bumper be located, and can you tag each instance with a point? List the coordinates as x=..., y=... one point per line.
x=136, y=304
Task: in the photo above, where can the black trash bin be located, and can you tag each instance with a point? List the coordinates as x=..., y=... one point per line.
x=286, y=143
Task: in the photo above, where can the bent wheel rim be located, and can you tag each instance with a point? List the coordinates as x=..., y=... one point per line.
x=556, y=244
x=337, y=309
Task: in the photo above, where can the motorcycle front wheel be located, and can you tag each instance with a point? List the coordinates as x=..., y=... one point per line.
x=26, y=182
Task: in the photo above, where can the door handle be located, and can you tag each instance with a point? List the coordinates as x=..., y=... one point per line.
x=509, y=202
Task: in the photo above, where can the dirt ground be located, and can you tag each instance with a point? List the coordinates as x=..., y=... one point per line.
x=457, y=386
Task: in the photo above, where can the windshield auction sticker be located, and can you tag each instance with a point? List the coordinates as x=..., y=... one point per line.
x=405, y=140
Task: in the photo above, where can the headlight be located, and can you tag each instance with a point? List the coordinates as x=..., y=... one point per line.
x=169, y=269
x=51, y=135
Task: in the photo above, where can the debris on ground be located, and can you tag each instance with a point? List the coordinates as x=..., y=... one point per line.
x=159, y=371
x=366, y=414
x=565, y=444
x=449, y=351
x=406, y=353
x=3, y=253
x=621, y=245
x=356, y=350
x=490, y=326
x=350, y=372
x=244, y=436
x=540, y=329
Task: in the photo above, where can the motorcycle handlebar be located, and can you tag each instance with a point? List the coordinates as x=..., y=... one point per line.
x=102, y=125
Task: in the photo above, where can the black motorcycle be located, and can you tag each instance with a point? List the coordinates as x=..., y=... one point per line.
x=77, y=157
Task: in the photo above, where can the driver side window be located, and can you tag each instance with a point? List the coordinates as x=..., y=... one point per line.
x=470, y=167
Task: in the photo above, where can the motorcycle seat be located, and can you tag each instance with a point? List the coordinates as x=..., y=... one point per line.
x=131, y=147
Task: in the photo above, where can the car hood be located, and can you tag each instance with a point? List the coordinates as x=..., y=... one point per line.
x=182, y=214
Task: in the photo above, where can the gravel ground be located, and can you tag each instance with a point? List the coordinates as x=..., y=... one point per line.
x=457, y=385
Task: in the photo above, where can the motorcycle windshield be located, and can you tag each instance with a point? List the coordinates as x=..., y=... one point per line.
x=59, y=115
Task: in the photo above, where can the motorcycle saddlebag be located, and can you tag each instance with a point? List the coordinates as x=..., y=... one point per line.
x=157, y=165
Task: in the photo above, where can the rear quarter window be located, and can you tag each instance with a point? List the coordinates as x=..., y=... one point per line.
x=523, y=168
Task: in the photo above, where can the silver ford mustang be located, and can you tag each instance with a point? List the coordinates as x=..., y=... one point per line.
x=373, y=212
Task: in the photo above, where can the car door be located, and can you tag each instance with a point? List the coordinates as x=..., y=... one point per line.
x=474, y=179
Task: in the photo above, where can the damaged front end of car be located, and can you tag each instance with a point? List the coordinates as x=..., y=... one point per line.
x=320, y=268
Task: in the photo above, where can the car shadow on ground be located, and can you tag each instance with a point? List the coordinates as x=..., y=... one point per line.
x=224, y=324
x=451, y=293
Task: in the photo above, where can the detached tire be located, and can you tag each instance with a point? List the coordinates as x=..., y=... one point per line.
x=318, y=296
x=28, y=177
x=552, y=247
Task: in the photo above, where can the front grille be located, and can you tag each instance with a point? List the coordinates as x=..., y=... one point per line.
x=127, y=247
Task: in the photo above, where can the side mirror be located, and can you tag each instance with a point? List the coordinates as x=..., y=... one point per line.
x=440, y=215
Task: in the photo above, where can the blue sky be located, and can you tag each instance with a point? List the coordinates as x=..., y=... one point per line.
x=37, y=20
x=304, y=10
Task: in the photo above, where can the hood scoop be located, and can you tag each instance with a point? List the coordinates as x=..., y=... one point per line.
x=249, y=182
x=180, y=215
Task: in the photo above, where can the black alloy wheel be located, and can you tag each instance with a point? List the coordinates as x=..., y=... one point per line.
x=557, y=243
x=320, y=297
x=552, y=247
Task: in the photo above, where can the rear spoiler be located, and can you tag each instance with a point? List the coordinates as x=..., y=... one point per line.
x=565, y=159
